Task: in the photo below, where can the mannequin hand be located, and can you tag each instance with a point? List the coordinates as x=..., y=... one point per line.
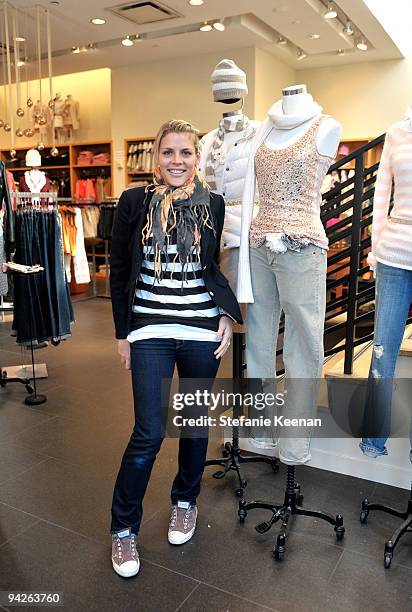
x=225, y=333
x=123, y=348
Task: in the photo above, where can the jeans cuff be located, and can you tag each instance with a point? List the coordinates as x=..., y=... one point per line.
x=372, y=451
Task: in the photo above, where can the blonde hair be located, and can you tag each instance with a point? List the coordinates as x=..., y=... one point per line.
x=174, y=126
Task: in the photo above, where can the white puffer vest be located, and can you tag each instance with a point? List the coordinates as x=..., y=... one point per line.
x=233, y=179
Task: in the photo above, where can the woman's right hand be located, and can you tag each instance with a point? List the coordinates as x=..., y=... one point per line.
x=123, y=348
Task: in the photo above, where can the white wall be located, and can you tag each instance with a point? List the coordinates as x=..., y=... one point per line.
x=366, y=98
x=271, y=76
x=91, y=89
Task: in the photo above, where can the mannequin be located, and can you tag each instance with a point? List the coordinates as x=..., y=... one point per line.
x=282, y=261
x=34, y=180
x=224, y=158
x=71, y=117
x=391, y=261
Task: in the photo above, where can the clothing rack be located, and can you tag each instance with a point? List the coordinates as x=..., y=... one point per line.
x=36, y=200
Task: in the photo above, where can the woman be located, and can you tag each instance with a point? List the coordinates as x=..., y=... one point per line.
x=170, y=302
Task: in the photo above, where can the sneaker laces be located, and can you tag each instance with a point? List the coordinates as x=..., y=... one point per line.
x=173, y=519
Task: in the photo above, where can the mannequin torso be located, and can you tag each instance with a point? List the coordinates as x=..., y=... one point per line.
x=329, y=133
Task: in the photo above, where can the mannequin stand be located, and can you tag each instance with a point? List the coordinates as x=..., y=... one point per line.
x=291, y=505
x=405, y=527
x=232, y=454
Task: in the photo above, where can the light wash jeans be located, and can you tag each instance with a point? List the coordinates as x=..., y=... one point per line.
x=392, y=301
x=294, y=282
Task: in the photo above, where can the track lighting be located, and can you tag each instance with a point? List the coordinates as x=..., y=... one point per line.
x=348, y=29
x=330, y=12
x=340, y=52
x=300, y=54
x=281, y=41
x=362, y=45
x=219, y=26
x=127, y=41
x=206, y=27
x=75, y=49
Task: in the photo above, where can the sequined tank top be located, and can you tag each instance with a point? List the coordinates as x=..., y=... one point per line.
x=289, y=182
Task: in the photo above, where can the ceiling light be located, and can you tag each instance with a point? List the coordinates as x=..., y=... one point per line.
x=127, y=41
x=330, y=12
x=196, y=2
x=362, y=44
x=301, y=55
x=340, y=52
x=314, y=36
x=282, y=41
x=75, y=49
x=20, y=39
x=98, y=21
x=219, y=26
x=92, y=47
x=21, y=63
x=348, y=29
x=206, y=27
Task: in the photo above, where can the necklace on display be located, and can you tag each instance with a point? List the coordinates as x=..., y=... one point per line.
x=35, y=180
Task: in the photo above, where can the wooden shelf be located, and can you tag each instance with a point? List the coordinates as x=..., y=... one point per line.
x=73, y=149
x=91, y=165
x=41, y=168
x=141, y=172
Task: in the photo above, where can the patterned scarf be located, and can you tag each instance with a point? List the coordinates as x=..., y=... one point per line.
x=184, y=210
x=236, y=123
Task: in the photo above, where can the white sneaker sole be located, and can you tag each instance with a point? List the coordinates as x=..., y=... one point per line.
x=126, y=574
x=184, y=539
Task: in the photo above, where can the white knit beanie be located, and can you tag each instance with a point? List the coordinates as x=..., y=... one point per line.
x=228, y=81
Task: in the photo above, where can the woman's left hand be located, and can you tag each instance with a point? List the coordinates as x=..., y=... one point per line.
x=224, y=332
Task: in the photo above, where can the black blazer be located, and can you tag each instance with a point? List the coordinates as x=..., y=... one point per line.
x=127, y=254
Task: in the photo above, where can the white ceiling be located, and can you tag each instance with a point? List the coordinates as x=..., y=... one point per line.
x=248, y=23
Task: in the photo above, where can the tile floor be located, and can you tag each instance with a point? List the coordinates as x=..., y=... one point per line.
x=58, y=463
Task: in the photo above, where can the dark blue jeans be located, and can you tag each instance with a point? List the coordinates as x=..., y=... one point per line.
x=151, y=361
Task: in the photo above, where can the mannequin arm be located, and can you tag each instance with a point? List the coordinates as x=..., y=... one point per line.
x=381, y=200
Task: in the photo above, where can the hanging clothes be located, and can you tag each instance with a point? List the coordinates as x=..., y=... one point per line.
x=7, y=236
x=42, y=306
x=80, y=263
x=69, y=229
x=90, y=216
x=105, y=226
x=85, y=188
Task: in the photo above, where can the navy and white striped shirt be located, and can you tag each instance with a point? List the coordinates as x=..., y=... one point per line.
x=172, y=307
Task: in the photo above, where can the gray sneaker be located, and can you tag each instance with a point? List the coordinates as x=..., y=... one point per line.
x=182, y=522
x=125, y=559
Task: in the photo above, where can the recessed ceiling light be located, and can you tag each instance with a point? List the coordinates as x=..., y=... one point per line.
x=127, y=41
x=348, y=29
x=300, y=54
x=98, y=21
x=314, y=36
x=206, y=27
x=362, y=44
x=75, y=49
x=196, y=2
x=219, y=25
x=55, y=3
x=20, y=39
x=281, y=41
x=330, y=13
